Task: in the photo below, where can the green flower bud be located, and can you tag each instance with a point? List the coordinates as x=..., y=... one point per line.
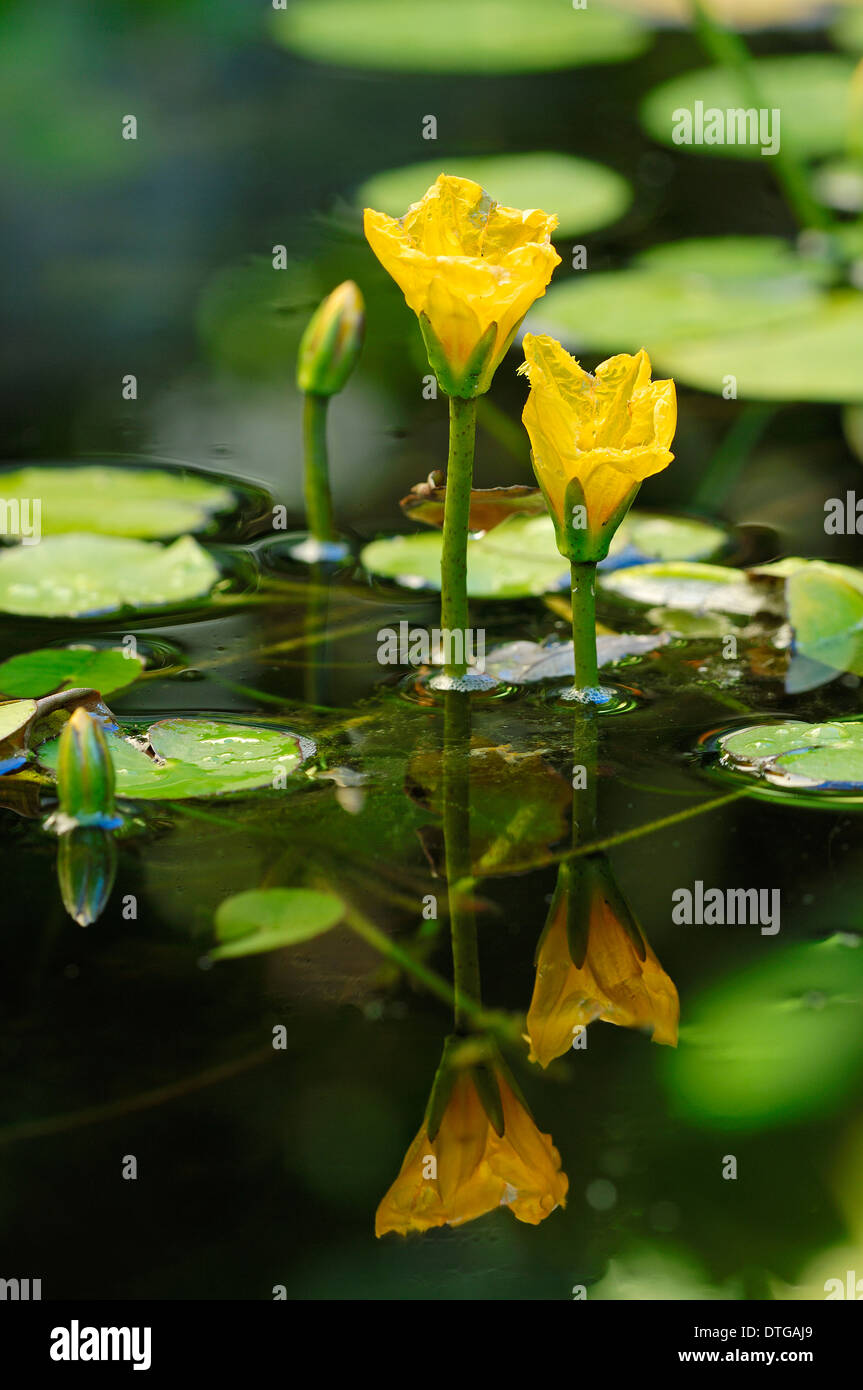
x=86, y=869
x=85, y=773
x=332, y=341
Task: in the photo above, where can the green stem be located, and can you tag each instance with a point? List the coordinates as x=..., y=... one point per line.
x=456, y=832
x=319, y=502
x=453, y=563
x=584, y=623
x=729, y=50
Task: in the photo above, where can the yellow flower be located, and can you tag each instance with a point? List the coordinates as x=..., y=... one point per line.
x=594, y=439
x=474, y=1164
x=470, y=270
x=616, y=978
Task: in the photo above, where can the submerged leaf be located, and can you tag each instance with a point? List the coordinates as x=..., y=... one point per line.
x=267, y=919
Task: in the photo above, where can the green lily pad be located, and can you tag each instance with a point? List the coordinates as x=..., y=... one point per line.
x=686, y=585
x=753, y=1054
x=814, y=355
x=657, y=537
x=517, y=559
x=14, y=715
x=811, y=91
x=267, y=919
x=825, y=609
x=796, y=756
x=685, y=292
x=839, y=184
x=56, y=668
x=198, y=757
x=496, y=36
x=80, y=576
x=148, y=503
x=582, y=194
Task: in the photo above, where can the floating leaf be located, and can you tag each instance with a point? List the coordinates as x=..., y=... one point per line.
x=497, y=36
x=813, y=355
x=825, y=609
x=15, y=716
x=583, y=195
x=690, y=586
x=796, y=756
x=81, y=576
x=753, y=1053
x=684, y=291
x=53, y=668
x=488, y=506
x=267, y=919
x=649, y=536
x=148, y=503
x=811, y=91
x=198, y=757
x=523, y=663
x=519, y=558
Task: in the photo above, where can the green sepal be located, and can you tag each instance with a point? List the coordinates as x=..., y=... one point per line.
x=85, y=773
x=606, y=884
x=487, y=1089
x=444, y=1080
x=474, y=378
x=584, y=544
x=579, y=902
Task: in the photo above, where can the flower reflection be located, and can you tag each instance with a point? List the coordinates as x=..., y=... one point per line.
x=479, y=1148
x=594, y=962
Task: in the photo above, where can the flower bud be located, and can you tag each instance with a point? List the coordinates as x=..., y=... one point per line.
x=332, y=341
x=85, y=773
x=86, y=869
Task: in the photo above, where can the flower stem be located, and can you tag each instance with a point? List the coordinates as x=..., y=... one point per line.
x=453, y=563
x=456, y=831
x=319, y=503
x=584, y=623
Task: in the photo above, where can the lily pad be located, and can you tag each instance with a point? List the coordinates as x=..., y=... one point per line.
x=198, y=757
x=825, y=609
x=690, y=586
x=80, y=576
x=497, y=36
x=582, y=194
x=15, y=715
x=524, y=663
x=148, y=503
x=753, y=1053
x=519, y=558
x=686, y=291
x=811, y=91
x=54, y=668
x=797, y=756
x=650, y=536
x=814, y=355
x=268, y=919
